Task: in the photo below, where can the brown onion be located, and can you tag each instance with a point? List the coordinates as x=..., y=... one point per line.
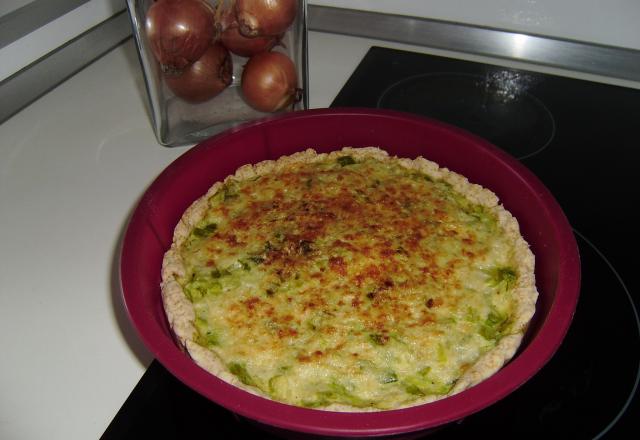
x=245, y=46
x=205, y=78
x=179, y=31
x=224, y=18
x=265, y=17
x=269, y=82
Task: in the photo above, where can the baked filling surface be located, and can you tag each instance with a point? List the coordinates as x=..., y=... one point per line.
x=349, y=281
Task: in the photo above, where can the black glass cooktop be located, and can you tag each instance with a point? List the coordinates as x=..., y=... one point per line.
x=580, y=138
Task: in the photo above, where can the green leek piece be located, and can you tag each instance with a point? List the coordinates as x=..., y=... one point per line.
x=205, y=231
x=240, y=371
x=346, y=160
x=503, y=278
x=494, y=326
x=338, y=393
x=206, y=336
x=420, y=384
x=200, y=287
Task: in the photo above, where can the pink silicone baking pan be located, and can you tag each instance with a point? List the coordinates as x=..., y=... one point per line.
x=541, y=219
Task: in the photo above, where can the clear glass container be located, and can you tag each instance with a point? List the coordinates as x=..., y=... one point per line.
x=179, y=120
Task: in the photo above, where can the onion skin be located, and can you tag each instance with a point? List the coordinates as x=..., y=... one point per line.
x=179, y=31
x=269, y=82
x=245, y=46
x=265, y=17
x=224, y=18
x=205, y=78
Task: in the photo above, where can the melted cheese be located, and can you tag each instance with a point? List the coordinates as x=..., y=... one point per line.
x=360, y=283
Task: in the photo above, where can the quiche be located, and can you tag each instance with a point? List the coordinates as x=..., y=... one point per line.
x=349, y=281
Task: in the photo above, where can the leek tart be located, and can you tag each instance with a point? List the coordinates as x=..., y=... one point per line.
x=349, y=281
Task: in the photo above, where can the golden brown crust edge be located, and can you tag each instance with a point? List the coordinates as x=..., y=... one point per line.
x=180, y=313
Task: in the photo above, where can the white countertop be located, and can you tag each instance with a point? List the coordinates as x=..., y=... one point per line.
x=72, y=166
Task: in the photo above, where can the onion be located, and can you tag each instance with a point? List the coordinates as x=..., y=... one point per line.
x=265, y=17
x=179, y=31
x=224, y=18
x=269, y=82
x=205, y=78
x=245, y=46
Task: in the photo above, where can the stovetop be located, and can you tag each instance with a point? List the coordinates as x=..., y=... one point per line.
x=580, y=139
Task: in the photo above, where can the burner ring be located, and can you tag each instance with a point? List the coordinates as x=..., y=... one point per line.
x=634, y=310
x=497, y=107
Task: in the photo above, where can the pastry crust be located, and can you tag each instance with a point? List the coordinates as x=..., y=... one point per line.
x=180, y=311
